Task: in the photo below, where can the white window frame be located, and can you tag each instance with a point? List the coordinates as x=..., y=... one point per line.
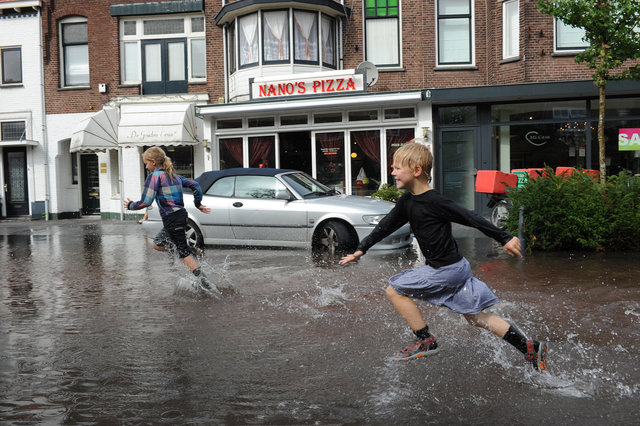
x=139, y=36
x=510, y=29
x=557, y=24
x=472, y=54
x=2, y=65
x=369, y=39
x=73, y=20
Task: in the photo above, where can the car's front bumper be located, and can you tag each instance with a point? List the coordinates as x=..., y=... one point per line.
x=399, y=239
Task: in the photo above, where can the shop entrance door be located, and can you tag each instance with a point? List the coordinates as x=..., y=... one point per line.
x=295, y=151
x=15, y=181
x=459, y=166
x=90, y=184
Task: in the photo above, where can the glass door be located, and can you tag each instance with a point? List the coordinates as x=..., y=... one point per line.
x=459, y=166
x=15, y=182
x=329, y=158
x=164, y=66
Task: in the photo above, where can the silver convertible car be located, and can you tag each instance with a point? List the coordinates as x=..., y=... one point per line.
x=277, y=207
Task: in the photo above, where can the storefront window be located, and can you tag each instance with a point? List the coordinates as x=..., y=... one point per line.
x=395, y=139
x=182, y=158
x=230, y=153
x=567, y=110
x=457, y=115
x=330, y=160
x=261, y=151
x=235, y=123
x=621, y=153
x=327, y=117
x=363, y=115
x=617, y=108
x=365, y=162
x=539, y=145
x=261, y=122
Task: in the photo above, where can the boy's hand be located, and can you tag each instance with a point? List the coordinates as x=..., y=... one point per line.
x=513, y=247
x=204, y=209
x=351, y=257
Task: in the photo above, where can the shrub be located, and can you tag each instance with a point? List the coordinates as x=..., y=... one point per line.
x=577, y=212
x=388, y=192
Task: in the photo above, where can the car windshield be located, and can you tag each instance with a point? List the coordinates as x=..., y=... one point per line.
x=307, y=186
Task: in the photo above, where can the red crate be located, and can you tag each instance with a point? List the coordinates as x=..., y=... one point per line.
x=494, y=181
x=568, y=171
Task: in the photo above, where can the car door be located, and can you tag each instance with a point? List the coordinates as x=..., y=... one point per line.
x=215, y=225
x=257, y=214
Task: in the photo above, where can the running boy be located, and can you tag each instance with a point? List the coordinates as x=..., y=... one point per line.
x=165, y=186
x=446, y=277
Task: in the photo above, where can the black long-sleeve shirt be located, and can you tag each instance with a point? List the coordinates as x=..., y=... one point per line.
x=430, y=216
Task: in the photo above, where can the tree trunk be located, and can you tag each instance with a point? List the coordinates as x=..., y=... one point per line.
x=601, y=124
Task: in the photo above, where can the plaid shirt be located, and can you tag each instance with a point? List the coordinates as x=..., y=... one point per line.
x=168, y=194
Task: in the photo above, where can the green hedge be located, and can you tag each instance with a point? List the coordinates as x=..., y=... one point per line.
x=577, y=212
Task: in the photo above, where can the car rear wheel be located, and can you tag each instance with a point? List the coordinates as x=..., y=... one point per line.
x=194, y=236
x=334, y=237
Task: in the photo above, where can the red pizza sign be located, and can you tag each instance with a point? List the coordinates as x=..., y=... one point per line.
x=307, y=84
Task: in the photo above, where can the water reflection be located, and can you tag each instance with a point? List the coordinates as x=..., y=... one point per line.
x=96, y=327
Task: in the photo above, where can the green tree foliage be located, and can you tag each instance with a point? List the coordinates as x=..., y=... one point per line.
x=577, y=212
x=612, y=29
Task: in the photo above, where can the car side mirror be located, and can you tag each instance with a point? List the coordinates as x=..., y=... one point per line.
x=283, y=194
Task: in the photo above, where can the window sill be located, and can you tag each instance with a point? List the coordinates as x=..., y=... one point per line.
x=62, y=89
x=391, y=69
x=510, y=60
x=561, y=53
x=9, y=85
x=455, y=68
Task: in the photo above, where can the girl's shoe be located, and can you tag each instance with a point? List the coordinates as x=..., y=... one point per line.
x=537, y=358
x=419, y=349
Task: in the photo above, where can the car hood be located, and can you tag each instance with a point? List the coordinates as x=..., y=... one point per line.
x=355, y=203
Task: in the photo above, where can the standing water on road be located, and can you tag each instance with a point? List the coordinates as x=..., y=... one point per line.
x=96, y=327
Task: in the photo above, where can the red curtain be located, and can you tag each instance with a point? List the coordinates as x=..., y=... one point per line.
x=332, y=142
x=234, y=147
x=396, y=137
x=369, y=143
x=260, y=149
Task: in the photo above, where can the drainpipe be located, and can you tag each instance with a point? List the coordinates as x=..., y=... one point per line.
x=225, y=66
x=45, y=142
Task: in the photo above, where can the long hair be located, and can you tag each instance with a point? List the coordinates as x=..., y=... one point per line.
x=158, y=155
x=413, y=154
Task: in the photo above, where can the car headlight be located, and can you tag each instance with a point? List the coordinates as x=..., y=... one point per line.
x=373, y=219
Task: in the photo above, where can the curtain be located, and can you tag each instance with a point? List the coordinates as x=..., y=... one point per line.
x=277, y=24
x=305, y=22
x=395, y=139
x=330, y=142
x=234, y=147
x=260, y=149
x=369, y=143
x=328, y=56
x=249, y=25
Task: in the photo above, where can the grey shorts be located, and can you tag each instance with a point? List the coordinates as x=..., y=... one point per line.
x=452, y=286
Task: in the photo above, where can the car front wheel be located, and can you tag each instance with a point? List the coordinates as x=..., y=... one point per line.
x=194, y=236
x=334, y=237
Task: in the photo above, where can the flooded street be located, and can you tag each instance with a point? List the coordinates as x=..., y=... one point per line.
x=98, y=328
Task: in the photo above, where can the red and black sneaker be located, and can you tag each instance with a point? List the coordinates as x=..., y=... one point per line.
x=419, y=349
x=537, y=356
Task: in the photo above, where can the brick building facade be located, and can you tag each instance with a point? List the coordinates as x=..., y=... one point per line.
x=474, y=77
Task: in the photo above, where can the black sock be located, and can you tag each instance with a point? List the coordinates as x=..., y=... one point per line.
x=423, y=333
x=518, y=340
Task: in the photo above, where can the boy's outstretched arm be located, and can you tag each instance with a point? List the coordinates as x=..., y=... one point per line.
x=513, y=247
x=351, y=257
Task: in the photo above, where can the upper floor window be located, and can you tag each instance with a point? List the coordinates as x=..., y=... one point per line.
x=510, y=29
x=569, y=38
x=13, y=130
x=74, y=52
x=382, y=32
x=455, y=35
x=11, y=65
x=163, y=54
x=281, y=37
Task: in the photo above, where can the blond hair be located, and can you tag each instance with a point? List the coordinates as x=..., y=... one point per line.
x=158, y=155
x=414, y=154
